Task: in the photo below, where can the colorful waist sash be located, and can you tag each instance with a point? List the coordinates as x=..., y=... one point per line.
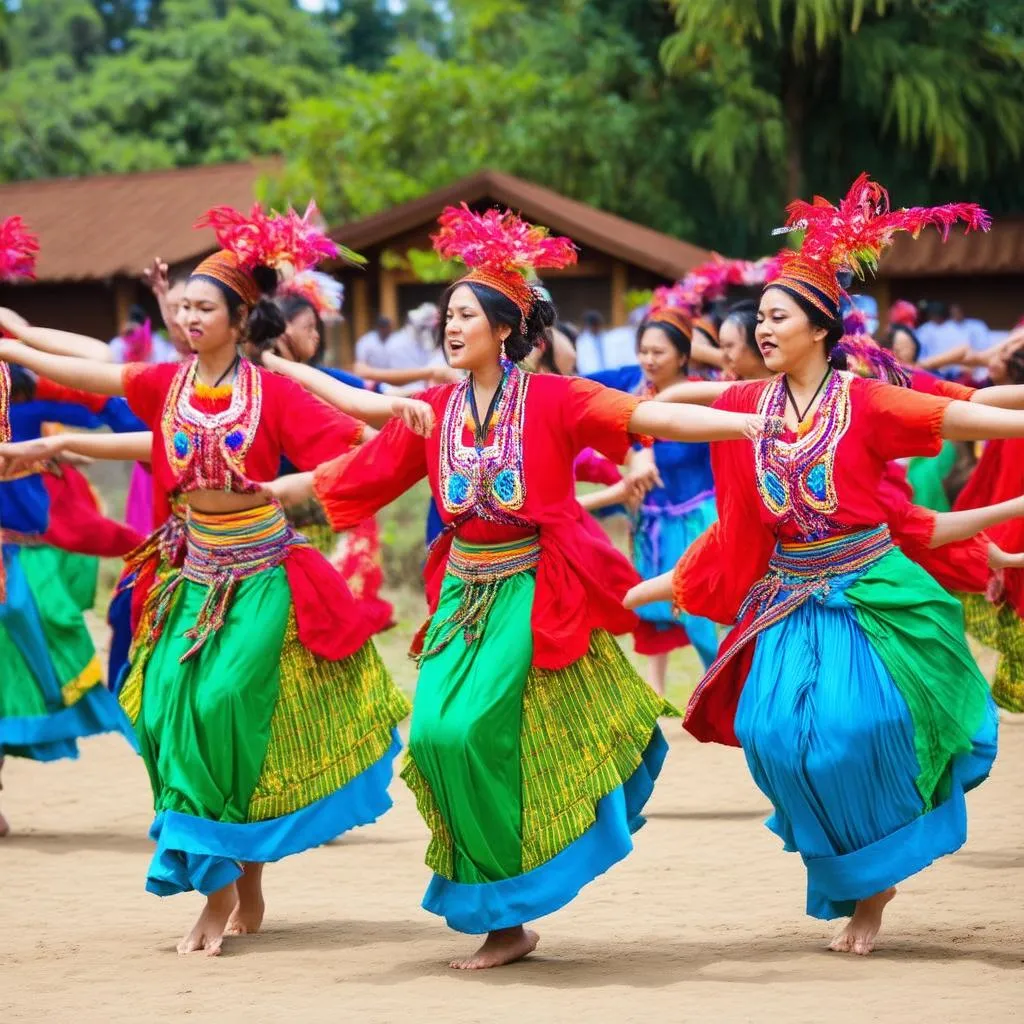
x=483, y=568
x=798, y=571
x=222, y=551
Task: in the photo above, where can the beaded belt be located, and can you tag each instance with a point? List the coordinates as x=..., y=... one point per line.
x=221, y=552
x=483, y=568
x=800, y=571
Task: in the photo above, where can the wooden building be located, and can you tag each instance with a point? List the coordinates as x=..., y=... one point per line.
x=983, y=272
x=616, y=256
x=98, y=233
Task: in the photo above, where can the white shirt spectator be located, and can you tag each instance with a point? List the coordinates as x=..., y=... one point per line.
x=372, y=350
x=938, y=338
x=609, y=350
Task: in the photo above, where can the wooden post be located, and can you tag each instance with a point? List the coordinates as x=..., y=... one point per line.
x=620, y=283
x=389, y=297
x=360, y=308
x=124, y=297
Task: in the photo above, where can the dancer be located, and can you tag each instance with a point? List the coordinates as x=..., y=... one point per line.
x=534, y=744
x=51, y=691
x=259, y=743
x=847, y=679
x=682, y=504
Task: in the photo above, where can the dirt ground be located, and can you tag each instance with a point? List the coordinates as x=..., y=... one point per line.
x=704, y=922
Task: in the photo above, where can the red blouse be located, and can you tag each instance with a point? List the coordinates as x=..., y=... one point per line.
x=581, y=578
x=284, y=420
x=826, y=483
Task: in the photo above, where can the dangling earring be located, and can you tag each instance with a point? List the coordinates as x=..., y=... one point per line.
x=503, y=356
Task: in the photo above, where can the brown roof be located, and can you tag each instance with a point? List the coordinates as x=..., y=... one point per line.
x=114, y=224
x=999, y=251
x=585, y=225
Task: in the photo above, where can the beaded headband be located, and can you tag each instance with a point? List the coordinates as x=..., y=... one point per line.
x=501, y=250
x=673, y=317
x=224, y=267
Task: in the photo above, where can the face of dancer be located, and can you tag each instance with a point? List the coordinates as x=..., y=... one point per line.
x=740, y=359
x=660, y=360
x=303, y=338
x=785, y=337
x=903, y=348
x=175, y=296
x=204, y=317
x=470, y=342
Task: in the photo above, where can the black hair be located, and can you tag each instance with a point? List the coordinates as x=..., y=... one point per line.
x=501, y=310
x=137, y=315
x=264, y=322
x=937, y=309
x=680, y=342
x=593, y=318
x=568, y=329
x=712, y=316
x=546, y=345
x=744, y=315
x=831, y=324
x=23, y=384
x=1014, y=365
x=293, y=305
x=888, y=342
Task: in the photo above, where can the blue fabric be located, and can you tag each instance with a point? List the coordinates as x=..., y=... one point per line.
x=829, y=740
x=196, y=853
x=119, y=618
x=121, y=420
x=435, y=524
x=344, y=376
x=659, y=541
x=489, y=906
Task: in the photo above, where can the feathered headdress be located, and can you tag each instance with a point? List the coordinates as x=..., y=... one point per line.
x=324, y=293
x=18, y=250
x=286, y=243
x=501, y=250
x=853, y=236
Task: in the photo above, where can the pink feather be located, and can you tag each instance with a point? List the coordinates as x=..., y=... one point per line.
x=18, y=250
x=500, y=240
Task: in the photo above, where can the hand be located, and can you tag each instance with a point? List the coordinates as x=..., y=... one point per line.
x=648, y=591
x=289, y=490
x=1000, y=559
x=155, y=276
x=23, y=457
x=756, y=425
x=642, y=475
x=13, y=323
x=416, y=415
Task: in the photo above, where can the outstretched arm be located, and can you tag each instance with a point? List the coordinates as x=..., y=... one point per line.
x=358, y=402
x=1000, y=396
x=965, y=523
x=23, y=456
x=46, y=339
x=953, y=357
x=695, y=392
x=706, y=353
x=694, y=423
x=971, y=421
x=615, y=494
x=87, y=374
x=659, y=588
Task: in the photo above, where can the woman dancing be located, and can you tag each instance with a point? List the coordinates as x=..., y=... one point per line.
x=534, y=744
x=847, y=679
x=259, y=743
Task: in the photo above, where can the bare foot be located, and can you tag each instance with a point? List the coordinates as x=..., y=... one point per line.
x=499, y=948
x=5, y=829
x=859, y=935
x=208, y=934
x=247, y=916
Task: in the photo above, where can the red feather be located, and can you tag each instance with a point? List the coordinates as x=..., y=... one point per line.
x=18, y=249
x=500, y=240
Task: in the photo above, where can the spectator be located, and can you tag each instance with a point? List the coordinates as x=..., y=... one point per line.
x=138, y=344
x=975, y=330
x=943, y=344
x=371, y=348
x=590, y=356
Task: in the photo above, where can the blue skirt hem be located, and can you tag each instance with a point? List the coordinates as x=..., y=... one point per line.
x=490, y=906
x=196, y=853
x=52, y=737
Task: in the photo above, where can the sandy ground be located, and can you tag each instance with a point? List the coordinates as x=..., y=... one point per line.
x=702, y=923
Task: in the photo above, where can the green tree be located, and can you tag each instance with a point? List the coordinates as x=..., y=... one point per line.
x=791, y=80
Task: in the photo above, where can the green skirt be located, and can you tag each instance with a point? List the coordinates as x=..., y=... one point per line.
x=256, y=748
x=530, y=781
x=1000, y=627
x=51, y=684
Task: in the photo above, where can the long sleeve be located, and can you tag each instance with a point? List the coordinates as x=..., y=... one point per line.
x=903, y=422
x=145, y=388
x=353, y=487
x=598, y=417
x=311, y=431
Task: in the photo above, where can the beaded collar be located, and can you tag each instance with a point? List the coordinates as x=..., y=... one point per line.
x=488, y=478
x=796, y=478
x=5, y=403
x=206, y=450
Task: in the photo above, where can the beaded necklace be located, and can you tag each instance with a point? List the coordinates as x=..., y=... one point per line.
x=796, y=479
x=5, y=403
x=485, y=478
x=206, y=450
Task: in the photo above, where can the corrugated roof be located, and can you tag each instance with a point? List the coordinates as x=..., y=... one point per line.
x=585, y=225
x=998, y=251
x=114, y=224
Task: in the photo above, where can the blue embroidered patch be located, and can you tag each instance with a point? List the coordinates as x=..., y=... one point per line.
x=234, y=440
x=181, y=444
x=505, y=485
x=774, y=488
x=458, y=488
x=817, y=480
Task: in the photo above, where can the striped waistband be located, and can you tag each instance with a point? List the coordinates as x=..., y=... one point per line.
x=236, y=545
x=489, y=563
x=834, y=556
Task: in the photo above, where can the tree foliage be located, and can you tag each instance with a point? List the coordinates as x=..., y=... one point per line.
x=697, y=117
